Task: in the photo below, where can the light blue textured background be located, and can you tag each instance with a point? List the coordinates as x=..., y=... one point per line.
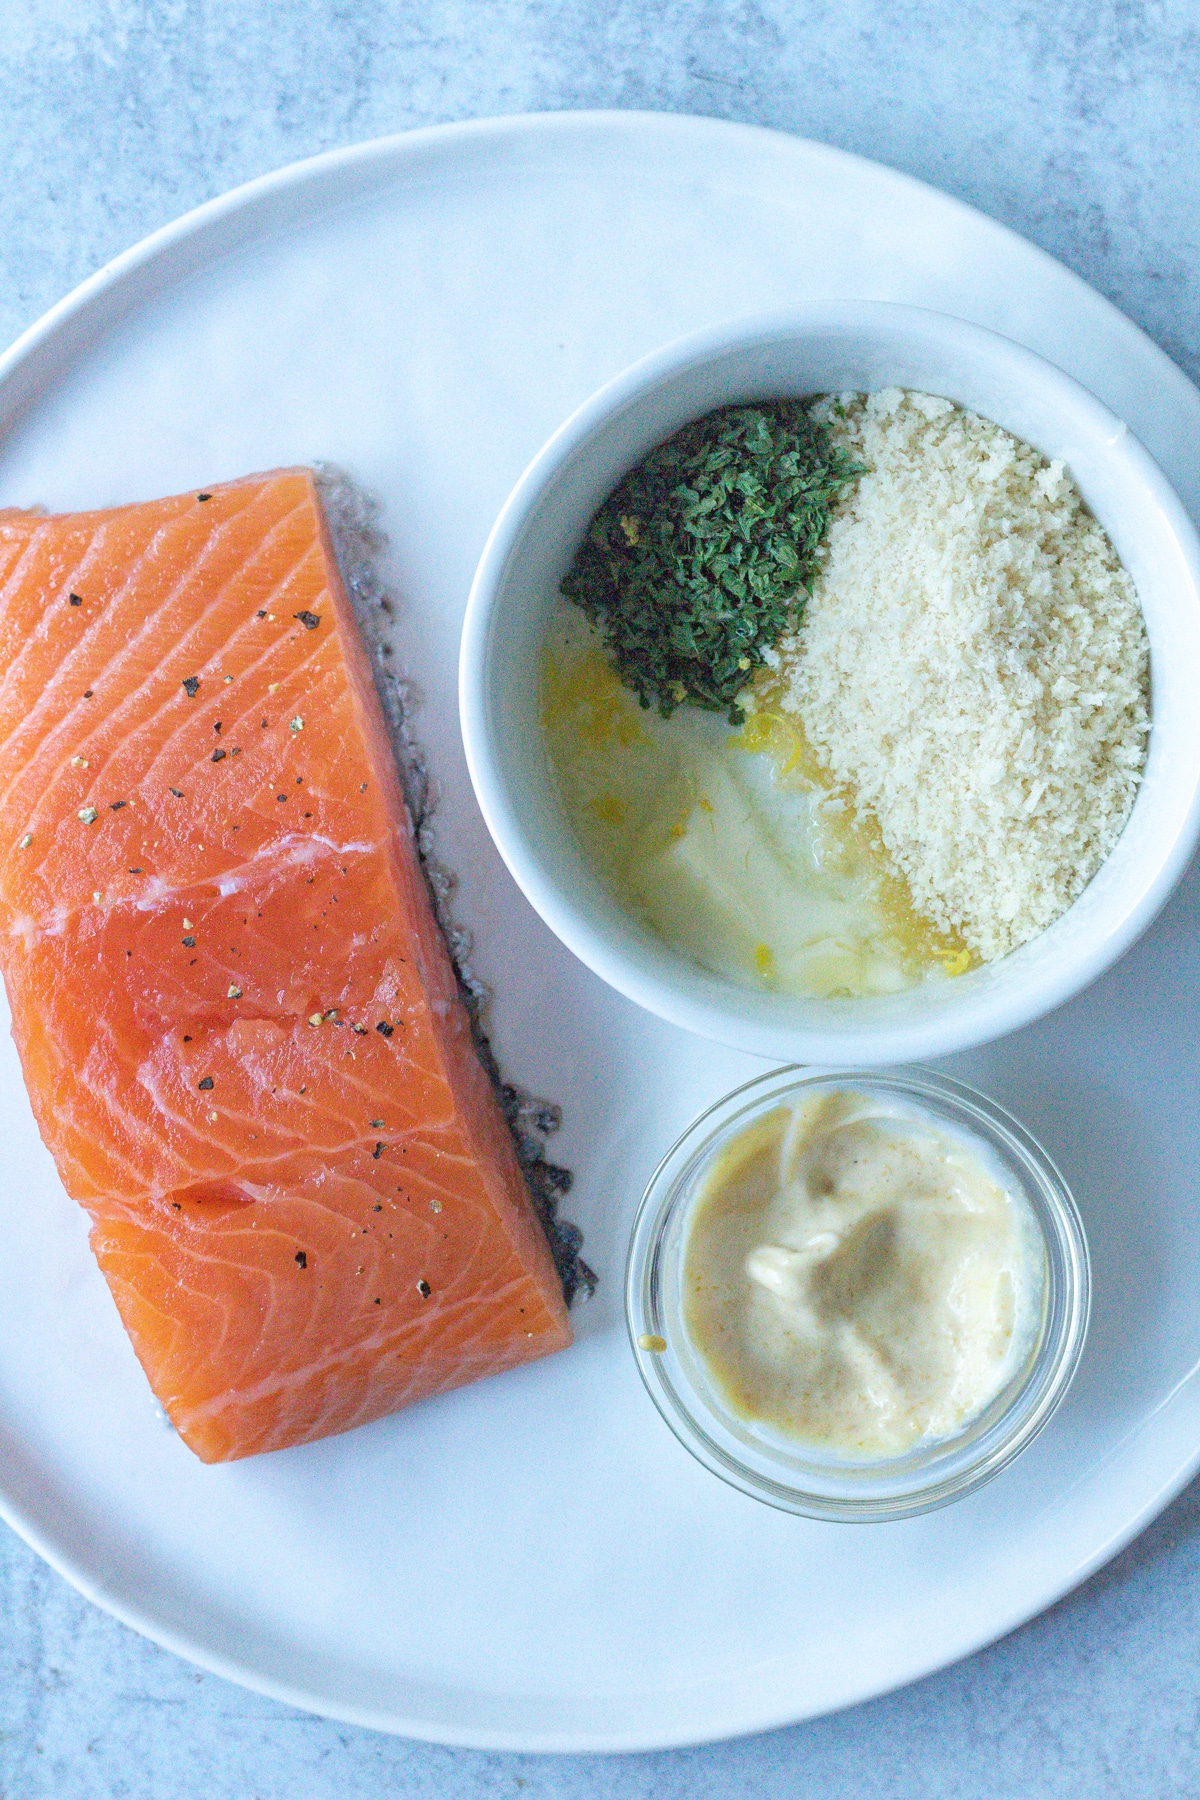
x=1075, y=121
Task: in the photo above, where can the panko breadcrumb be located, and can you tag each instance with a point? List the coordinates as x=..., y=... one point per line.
x=973, y=665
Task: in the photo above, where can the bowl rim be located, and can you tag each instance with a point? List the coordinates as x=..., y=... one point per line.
x=1030, y=1400
x=659, y=981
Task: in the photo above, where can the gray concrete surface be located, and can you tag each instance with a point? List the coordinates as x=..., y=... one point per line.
x=1077, y=122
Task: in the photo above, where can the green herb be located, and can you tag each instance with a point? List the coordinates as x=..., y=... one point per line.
x=705, y=553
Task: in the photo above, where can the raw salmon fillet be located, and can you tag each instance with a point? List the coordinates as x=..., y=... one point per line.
x=240, y=1029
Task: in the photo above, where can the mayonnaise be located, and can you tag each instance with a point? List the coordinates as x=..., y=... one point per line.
x=859, y=1278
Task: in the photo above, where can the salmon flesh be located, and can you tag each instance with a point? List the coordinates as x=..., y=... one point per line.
x=240, y=1029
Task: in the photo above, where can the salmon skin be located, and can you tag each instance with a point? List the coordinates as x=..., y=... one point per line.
x=238, y=1022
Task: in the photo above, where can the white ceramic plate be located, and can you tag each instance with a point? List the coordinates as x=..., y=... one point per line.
x=535, y=1562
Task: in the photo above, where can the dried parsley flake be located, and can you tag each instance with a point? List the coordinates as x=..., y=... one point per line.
x=703, y=555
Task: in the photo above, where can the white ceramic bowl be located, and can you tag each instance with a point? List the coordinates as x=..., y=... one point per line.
x=816, y=349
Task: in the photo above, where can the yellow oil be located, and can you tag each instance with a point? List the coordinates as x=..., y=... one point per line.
x=768, y=731
x=662, y=813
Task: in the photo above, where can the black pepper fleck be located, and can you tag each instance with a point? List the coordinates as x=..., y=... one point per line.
x=424, y=1289
x=204, y=496
x=383, y=1028
x=75, y=599
x=260, y=615
x=377, y=1152
x=191, y=686
x=88, y=692
x=189, y=943
x=309, y=620
x=302, y=1259
x=218, y=756
x=178, y=792
x=281, y=797
x=379, y=1206
x=205, y=1083
x=116, y=805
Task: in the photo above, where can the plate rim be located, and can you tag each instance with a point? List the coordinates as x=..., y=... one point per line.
x=48, y=345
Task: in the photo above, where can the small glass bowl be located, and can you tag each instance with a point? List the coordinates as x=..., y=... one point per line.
x=802, y=1479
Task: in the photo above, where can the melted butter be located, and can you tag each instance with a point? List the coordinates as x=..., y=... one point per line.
x=858, y=1278
x=732, y=846
x=780, y=737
